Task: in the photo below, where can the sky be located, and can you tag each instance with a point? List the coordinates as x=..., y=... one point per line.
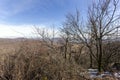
x=18, y=17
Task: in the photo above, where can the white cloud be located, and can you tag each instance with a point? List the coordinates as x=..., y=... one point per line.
x=13, y=31
x=28, y=31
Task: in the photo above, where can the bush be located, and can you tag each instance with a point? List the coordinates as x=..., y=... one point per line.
x=33, y=61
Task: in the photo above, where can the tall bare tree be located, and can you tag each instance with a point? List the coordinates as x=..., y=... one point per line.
x=102, y=16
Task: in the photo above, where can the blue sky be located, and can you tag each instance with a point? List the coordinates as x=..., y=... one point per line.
x=21, y=13
x=38, y=11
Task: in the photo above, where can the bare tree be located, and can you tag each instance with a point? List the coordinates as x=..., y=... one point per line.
x=47, y=37
x=66, y=37
x=75, y=28
x=102, y=16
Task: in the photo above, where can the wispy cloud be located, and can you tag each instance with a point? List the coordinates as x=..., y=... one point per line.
x=8, y=7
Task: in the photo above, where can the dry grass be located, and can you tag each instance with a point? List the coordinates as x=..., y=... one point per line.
x=32, y=60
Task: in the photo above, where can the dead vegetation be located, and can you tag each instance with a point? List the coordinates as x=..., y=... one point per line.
x=94, y=46
x=33, y=61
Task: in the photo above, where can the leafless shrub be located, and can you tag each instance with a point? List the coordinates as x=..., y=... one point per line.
x=29, y=63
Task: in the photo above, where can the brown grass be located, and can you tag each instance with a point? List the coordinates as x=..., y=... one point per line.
x=32, y=60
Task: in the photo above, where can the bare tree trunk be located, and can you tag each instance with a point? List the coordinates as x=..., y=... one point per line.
x=91, y=61
x=70, y=54
x=100, y=56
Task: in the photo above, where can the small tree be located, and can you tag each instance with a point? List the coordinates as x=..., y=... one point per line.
x=66, y=41
x=47, y=37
